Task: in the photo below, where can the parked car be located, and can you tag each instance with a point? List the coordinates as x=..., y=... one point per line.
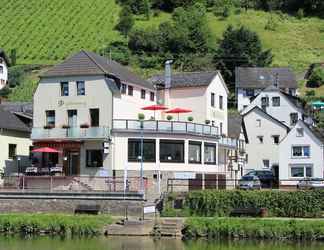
x=266, y=177
x=311, y=183
x=249, y=182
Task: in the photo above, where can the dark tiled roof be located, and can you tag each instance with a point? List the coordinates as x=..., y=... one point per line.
x=4, y=56
x=247, y=77
x=234, y=125
x=18, y=107
x=186, y=79
x=10, y=122
x=89, y=63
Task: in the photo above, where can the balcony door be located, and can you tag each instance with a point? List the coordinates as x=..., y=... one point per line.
x=72, y=118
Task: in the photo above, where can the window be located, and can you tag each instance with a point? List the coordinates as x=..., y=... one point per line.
x=123, y=88
x=276, y=139
x=50, y=118
x=276, y=101
x=80, y=88
x=12, y=151
x=130, y=90
x=210, y=153
x=1, y=69
x=171, y=151
x=266, y=163
x=220, y=102
x=152, y=96
x=258, y=122
x=212, y=99
x=301, y=151
x=64, y=89
x=293, y=118
x=264, y=101
x=244, y=106
x=134, y=150
x=94, y=158
x=299, y=132
x=194, y=152
x=301, y=171
x=143, y=93
x=72, y=118
x=94, y=116
x=260, y=139
x=249, y=92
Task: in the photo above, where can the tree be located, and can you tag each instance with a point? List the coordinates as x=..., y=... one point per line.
x=126, y=21
x=239, y=47
x=316, y=78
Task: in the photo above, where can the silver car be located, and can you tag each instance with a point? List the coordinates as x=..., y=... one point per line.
x=248, y=182
x=311, y=183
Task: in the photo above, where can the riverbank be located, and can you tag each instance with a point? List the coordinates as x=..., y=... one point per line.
x=254, y=228
x=53, y=224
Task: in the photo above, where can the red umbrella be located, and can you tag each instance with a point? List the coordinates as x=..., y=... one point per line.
x=178, y=111
x=45, y=150
x=155, y=107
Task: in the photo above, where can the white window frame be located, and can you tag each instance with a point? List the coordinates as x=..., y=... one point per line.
x=303, y=153
x=300, y=166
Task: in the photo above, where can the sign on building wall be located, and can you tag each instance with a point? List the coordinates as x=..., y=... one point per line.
x=185, y=175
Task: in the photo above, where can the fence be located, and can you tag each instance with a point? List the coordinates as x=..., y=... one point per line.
x=71, y=184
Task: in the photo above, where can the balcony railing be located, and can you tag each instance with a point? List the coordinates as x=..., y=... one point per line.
x=166, y=127
x=70, y=133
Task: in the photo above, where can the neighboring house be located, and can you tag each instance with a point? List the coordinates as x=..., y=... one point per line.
x=87, y=108
x=301, y=154
x=4, y=64
x=237, y=156
x=15, y=143
x=283, y=107
x=263, y=134
x=205, y=93
x=250, y=81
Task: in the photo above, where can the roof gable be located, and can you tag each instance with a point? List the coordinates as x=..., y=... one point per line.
x=254, y=77
x=10, y=122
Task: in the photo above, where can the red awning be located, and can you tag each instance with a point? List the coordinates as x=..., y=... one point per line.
x=155, y=107
x=178, y=111
x=45, y=150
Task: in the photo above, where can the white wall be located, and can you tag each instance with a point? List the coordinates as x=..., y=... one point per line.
x=23, y=143
x=128, y=107
x=282, y=112
x=285, y=155
x=48, y=97
x=268, y=150
x=4, y=75
x=242, y=99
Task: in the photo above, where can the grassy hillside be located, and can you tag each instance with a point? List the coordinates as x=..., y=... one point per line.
x=45, y=32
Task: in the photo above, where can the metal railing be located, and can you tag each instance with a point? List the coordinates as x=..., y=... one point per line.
x=70, y=133
x=70, y=184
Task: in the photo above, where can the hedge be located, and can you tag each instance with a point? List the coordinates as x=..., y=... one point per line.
x=292, y=229
x=278, y=203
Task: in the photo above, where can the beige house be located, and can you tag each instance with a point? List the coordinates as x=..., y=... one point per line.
x=15, y=143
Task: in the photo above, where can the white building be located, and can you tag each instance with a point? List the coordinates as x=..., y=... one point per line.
x=87, y=108
x=301, y=154
x=4, y=64
x=250, y=81
x=263, y=135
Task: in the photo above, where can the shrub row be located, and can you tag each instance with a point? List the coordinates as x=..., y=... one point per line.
x=278, y=203
x=53, y=224
x=293, y=229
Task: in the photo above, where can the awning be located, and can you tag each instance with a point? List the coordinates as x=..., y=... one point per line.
x=45, y=150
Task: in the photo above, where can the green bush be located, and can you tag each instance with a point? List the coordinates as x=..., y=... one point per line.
x=254, y=228
x=278, y=203
x=316, y=78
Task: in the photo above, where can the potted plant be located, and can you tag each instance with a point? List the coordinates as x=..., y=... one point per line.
x=65, y=126
x=169, y=117
x=207, y=122
x=190, y=119
x=49, y=126
x=141, y=116
x=84, y=125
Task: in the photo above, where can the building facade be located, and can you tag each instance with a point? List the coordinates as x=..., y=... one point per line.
x=4, y=64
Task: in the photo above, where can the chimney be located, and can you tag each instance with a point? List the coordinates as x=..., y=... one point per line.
x=167, y=80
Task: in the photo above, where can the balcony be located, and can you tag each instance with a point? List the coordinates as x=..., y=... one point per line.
x=70, y=133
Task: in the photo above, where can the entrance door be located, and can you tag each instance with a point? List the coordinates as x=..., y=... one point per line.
x=74, y=163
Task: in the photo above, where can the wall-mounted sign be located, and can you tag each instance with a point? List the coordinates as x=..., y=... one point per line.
x=185, y=175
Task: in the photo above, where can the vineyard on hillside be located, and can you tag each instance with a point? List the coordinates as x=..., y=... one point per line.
x=48, y=30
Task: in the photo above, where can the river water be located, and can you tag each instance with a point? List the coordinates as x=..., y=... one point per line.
x=146, y=243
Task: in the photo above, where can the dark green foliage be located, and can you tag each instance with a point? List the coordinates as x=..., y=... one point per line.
x=238, y=47
x=17, y=74
x=119, y=52
x=5, y=91
x=13, y=57
x=136, y=6
x=319, y=119
x=316, y=78
x=254, y=228
x=310, y=93
x=126, y=21
x=278, y=203
x=271, y=24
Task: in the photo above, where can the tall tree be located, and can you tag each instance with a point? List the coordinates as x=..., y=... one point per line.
x=126, y=20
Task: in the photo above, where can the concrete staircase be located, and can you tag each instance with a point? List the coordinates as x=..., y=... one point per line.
x=168, y=228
